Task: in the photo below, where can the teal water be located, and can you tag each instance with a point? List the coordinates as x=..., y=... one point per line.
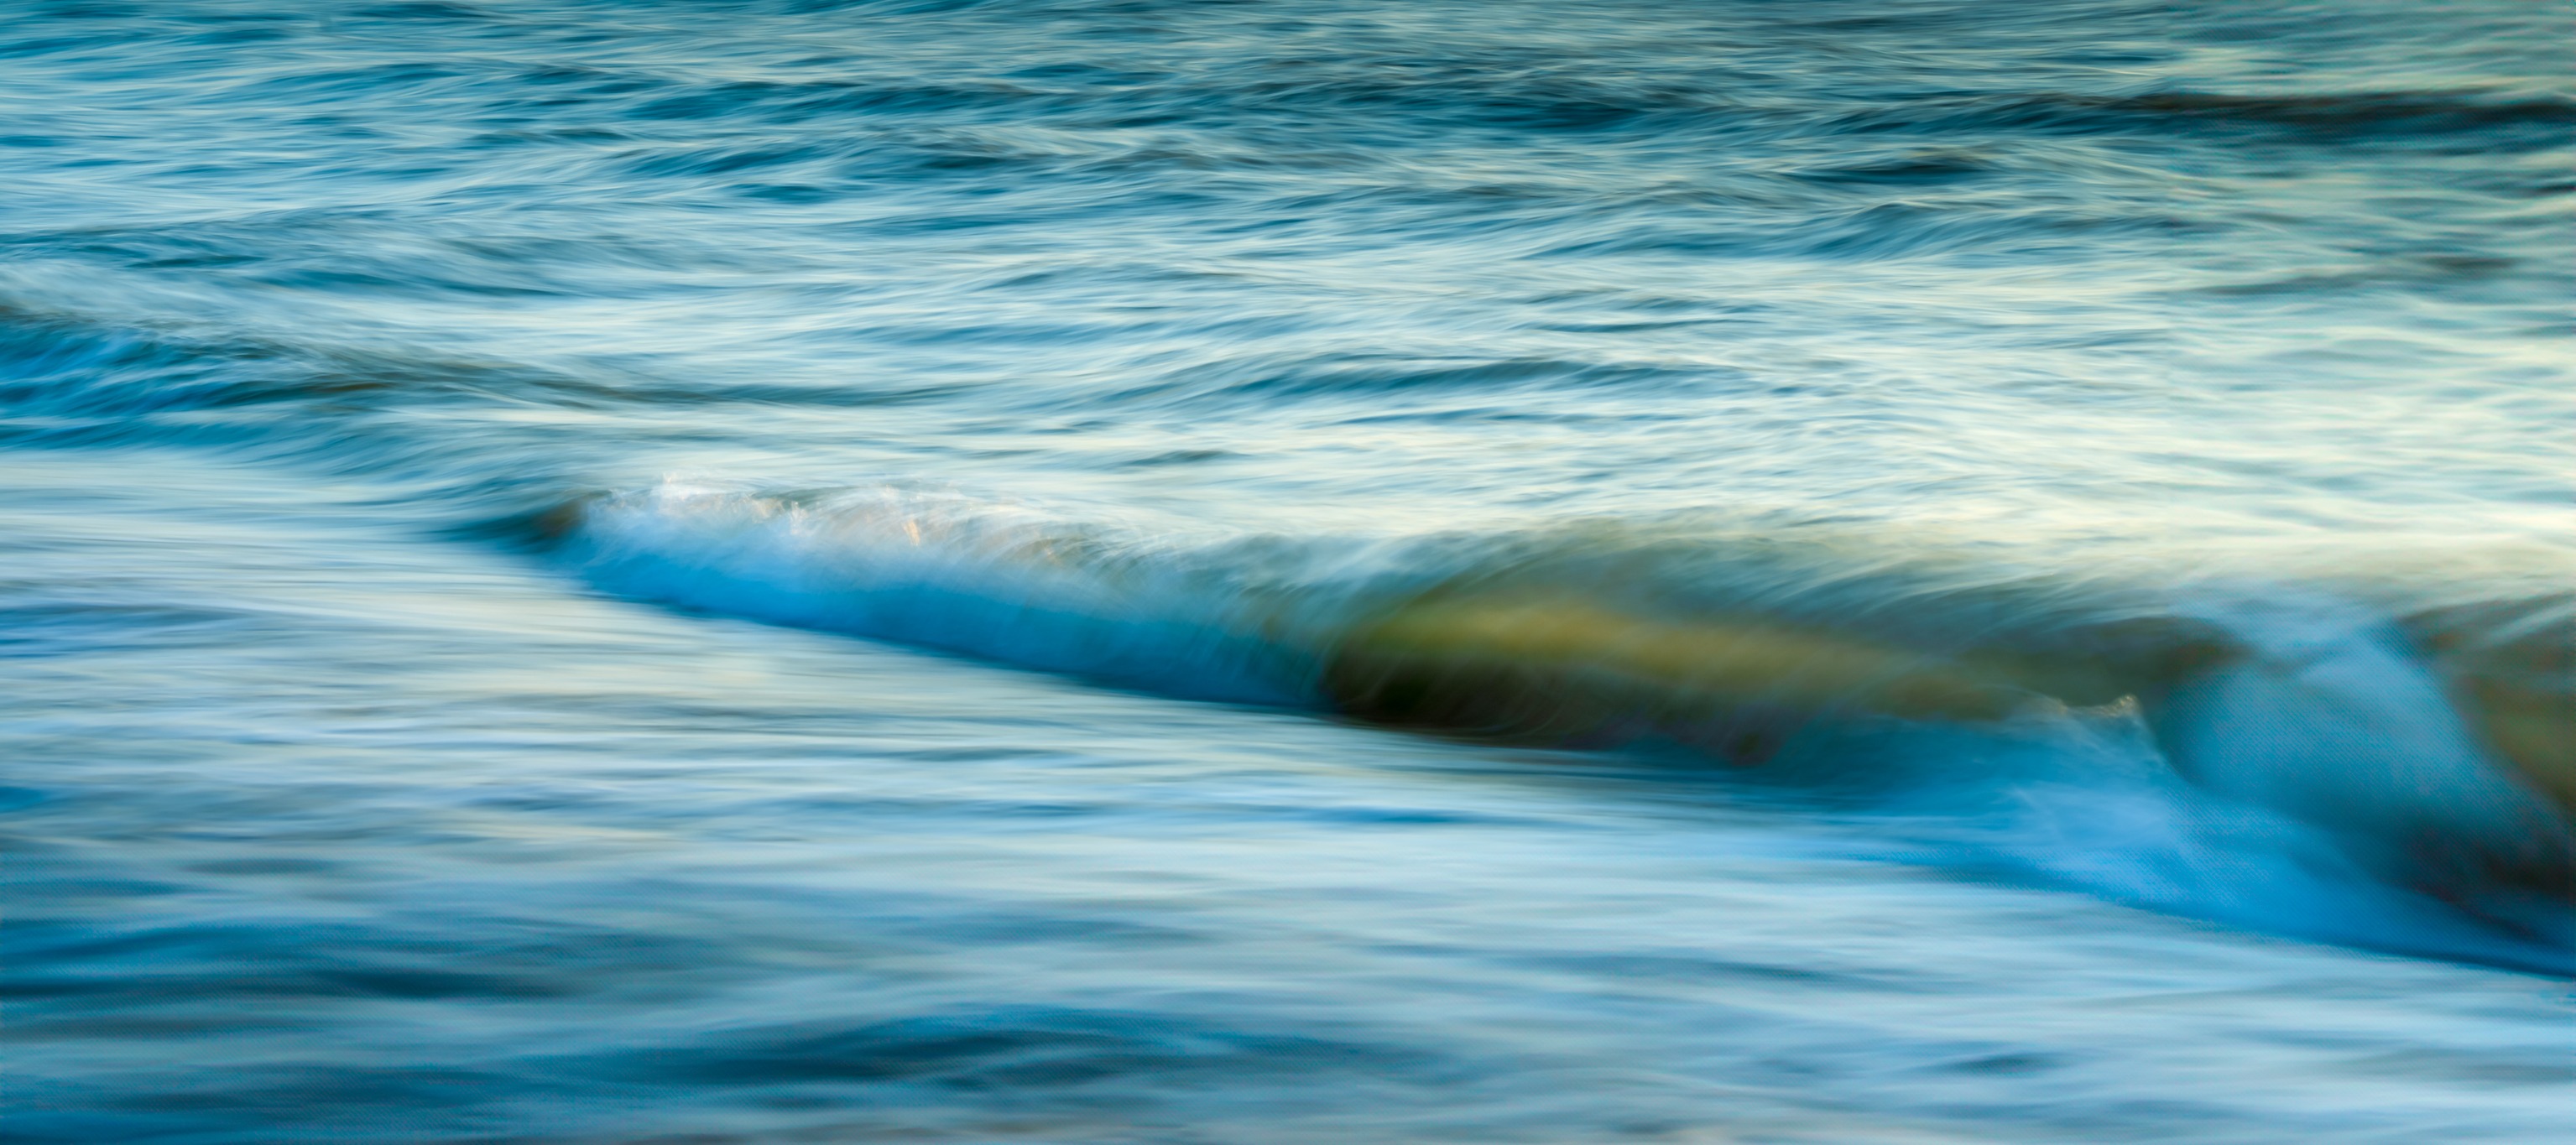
x=1287, y=572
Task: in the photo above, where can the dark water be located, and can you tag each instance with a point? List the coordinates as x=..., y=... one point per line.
x=1289, y=572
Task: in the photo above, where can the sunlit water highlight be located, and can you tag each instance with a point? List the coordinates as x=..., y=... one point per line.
x=1290, y=572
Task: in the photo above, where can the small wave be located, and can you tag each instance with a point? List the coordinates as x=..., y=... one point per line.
x=2427, y=743
x=1271, y=379
x=2368, y=111
x=2481, y=120
x=101, y=378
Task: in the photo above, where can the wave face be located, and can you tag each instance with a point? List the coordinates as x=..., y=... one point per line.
x=1037, y=569
x=951, y=573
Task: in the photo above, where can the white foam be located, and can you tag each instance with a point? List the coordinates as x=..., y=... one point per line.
x=2329, y=719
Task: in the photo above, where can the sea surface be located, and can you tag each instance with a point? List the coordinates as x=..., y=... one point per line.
x=1678, y=572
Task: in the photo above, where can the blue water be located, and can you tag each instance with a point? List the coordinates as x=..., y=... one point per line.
x=1201, y=572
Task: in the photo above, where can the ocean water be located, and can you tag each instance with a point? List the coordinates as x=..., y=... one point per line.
x=1733, y=571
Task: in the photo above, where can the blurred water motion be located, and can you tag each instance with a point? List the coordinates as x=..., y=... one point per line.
x=1305, y=571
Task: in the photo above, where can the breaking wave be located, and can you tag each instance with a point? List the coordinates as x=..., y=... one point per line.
x=2428, y=747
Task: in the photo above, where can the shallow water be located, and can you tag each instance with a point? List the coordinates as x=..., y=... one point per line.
x=1200, y=572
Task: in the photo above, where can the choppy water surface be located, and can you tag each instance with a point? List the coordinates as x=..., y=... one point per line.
x=1287, y=572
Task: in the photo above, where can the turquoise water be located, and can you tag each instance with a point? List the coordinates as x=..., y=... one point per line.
x=1287, y=572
